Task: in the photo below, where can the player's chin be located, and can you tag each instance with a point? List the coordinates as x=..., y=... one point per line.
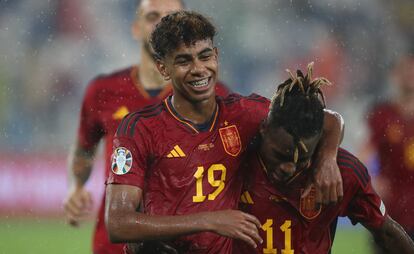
x=199, y=96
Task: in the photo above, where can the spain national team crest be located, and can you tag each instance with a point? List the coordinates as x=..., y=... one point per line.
x=121, y=161
x=308, y=207
x=230, y=139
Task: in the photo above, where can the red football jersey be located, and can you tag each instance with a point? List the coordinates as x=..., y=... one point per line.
x=184, y=170
x=393, y=136
x=107, y=100
x=291, y=224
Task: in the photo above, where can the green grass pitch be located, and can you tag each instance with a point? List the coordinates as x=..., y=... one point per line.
x=40, y=236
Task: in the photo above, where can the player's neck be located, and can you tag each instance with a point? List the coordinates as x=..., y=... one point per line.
x=149, y=76
x=197, y=113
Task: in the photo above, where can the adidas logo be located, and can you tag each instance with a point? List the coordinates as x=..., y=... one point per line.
x=120, y=113
x=246, y=198
x=176, y=153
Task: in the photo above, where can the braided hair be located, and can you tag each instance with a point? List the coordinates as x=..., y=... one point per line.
x=297, y=106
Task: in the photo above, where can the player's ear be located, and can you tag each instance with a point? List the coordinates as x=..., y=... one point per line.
x=162, y=69
x=216, y=52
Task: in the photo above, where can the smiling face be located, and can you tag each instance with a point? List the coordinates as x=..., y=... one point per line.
x=193, y=70
x=277, y=152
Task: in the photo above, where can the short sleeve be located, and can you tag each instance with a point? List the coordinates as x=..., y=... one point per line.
x=129, y=158
x=367, y=208
x=90, y=129
x=258, y=107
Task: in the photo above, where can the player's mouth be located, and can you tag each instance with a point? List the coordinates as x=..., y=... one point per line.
x=201, y=84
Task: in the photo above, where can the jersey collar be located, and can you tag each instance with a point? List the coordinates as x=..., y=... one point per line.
x=187, y=123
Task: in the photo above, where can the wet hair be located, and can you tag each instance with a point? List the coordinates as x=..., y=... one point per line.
x=297, y=106
x=179, y=27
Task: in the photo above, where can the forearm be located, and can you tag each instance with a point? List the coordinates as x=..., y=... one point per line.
x=393, y=239
x=80, y=165
x=332, y=134
x=135, y=226
x=125, y=224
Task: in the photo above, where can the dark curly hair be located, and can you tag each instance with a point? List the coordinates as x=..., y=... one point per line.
x=298, y=105
x=179, y=27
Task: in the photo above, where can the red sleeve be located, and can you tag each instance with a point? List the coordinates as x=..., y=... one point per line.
x=258, y=111
x=90, y=129
x=130, y=153
x=367, y=208
x=362, y=203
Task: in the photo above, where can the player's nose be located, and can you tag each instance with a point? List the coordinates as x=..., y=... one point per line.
x=198, y=67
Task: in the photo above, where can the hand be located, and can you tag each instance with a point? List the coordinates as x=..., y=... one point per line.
x=77, y=205
x=235, y=224
x=327, y=181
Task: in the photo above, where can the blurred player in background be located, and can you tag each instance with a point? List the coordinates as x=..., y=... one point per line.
x=107, y=100
x=279, y=170
x=181, y=157
x=391, y=126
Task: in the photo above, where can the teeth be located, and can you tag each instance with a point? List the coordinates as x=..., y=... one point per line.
x=199, y=83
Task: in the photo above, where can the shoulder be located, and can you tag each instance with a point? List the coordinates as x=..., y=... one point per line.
x=138, y=119
x=251, y=100
x=248, y=110
x=353, y=171
x=222, y=89
x=110, y=80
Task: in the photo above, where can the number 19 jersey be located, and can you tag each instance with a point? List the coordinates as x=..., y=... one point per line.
x=184, y=168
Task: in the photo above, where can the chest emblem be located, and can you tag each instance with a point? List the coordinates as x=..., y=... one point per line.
x=120, y=113
x=121, y=161
x=176, y=152
x=230, y=139
x=308, y=207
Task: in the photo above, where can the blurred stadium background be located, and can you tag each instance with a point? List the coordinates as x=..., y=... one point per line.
x=49, y=50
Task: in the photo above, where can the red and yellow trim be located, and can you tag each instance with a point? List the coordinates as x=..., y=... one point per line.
x=214, y=119
x=189, y=124
x=176, y=117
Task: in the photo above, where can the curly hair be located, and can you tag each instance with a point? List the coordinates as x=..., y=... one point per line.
x=298, y=104
x=297, y=107
x=179, y=27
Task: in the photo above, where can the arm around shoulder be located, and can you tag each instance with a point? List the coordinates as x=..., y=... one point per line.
x=327, y=177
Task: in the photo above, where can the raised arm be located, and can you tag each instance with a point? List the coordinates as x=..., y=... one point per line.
x=327, y=178
x=392, y=238
x=126, y=224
